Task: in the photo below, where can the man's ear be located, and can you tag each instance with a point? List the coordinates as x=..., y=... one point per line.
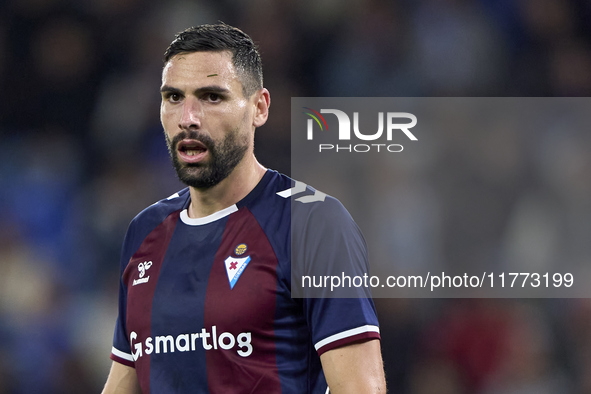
x=262, y=104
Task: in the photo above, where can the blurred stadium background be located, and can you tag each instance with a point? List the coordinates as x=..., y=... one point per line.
x=81, y=153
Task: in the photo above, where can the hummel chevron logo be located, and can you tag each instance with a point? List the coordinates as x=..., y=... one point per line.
x=317, y=196
x=142, y=268
x=299, y=188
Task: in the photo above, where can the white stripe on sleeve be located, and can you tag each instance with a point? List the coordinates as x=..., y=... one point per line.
x=123, y=355
x=346, y=334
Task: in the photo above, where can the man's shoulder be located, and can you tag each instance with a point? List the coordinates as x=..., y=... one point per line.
x=309, y=202
x=160, y=210
x=304, y=199
x=148, y=220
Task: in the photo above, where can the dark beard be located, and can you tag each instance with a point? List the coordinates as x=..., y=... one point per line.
x=223, y=158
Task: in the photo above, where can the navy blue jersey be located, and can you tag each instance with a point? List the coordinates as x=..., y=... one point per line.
x=205, y=304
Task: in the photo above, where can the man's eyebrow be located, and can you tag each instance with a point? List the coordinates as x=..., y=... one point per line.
x=211, y=89
x=170, y=89
x=203, y=89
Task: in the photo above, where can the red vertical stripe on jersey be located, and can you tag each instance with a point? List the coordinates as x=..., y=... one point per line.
x=247, y=308
x=141, y=294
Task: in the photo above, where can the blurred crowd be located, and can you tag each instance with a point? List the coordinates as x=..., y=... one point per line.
x=82, y=152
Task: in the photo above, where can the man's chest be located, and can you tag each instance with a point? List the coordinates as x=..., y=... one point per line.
x=214, y=285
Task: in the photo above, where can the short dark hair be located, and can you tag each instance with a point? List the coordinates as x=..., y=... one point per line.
x=222, y=37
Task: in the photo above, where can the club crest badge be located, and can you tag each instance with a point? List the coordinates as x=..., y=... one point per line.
x=235, y=267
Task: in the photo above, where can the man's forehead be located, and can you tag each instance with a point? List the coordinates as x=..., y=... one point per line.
x=200, y=64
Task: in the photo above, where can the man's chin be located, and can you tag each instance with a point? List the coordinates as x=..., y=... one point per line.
x=197, y=177
x=191, y=179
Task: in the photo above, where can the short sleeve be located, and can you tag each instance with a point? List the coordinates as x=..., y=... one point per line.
x=330, y=270
x=336, y=322
x=121, y=351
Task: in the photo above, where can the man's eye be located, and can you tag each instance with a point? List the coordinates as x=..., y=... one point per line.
x=174, y=97
x=213, y=97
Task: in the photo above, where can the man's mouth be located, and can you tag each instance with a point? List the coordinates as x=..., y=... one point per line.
x=191, y=151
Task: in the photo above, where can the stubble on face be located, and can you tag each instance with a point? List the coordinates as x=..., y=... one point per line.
x=224, y=156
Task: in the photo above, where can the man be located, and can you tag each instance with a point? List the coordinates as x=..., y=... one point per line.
x=205, y=291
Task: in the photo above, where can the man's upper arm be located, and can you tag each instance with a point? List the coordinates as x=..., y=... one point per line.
x=355, y=368
x=122, y=380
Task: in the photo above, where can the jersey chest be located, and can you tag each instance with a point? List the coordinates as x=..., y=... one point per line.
x=210, y=299
x=222, y=274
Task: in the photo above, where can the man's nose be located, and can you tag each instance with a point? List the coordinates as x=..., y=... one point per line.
x=191, y=115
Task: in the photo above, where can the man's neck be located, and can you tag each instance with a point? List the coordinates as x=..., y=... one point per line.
x=229, y=191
